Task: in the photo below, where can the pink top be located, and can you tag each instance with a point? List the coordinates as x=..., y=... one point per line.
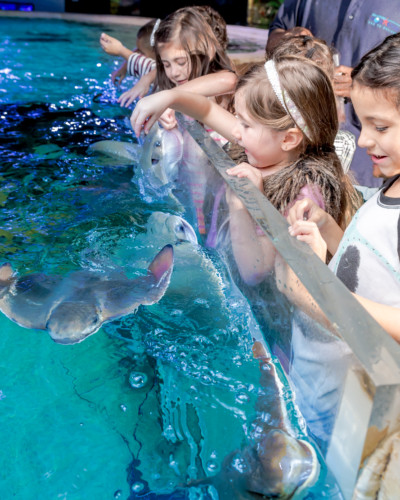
x=311, y=191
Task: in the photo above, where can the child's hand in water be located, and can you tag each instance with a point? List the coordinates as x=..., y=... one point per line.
x=148, y=110
x=139, y=90
x=111, y=45
x=307, y=231
x=246, y=170
x=119, y=74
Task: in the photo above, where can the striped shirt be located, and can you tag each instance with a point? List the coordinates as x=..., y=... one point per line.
x=139, y=64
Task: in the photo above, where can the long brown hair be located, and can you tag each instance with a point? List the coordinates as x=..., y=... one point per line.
x=189, y=27
x=310, y=88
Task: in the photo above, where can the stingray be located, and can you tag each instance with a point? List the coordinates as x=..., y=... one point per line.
x=158, y=154
x=275, y=463
x=75, y=306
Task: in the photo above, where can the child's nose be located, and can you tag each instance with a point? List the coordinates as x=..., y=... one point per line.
x=236, y=132
x=175, y=70
x=365, y=140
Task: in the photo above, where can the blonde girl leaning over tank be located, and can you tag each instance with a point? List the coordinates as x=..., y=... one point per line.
x=286, y=120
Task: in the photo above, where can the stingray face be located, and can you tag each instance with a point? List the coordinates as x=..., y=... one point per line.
x=71, y=322
x=172, y=228
x=162, y=153
x=183, y=230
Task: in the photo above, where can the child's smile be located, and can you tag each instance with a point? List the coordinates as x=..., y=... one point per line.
x=380, y=121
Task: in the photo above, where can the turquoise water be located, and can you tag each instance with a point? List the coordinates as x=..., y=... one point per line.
x=154, y=400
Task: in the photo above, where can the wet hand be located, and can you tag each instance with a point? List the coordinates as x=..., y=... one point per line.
x=118, y=75
x=148, y=110
x=138, y=91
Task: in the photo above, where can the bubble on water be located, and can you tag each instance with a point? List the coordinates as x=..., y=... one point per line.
x=174, y=465
x=137, y=487
x=123, y=407
x=137, y=380
x=169, y=433
x=118, y=494
x=239, y=464
x=242, y=397
x=212, y=466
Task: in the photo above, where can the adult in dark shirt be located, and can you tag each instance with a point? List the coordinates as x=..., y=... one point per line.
x=352, y=27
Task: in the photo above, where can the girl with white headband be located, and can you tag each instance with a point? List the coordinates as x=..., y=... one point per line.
x=286, y=120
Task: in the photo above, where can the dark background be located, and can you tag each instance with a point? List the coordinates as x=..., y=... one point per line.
x=233, y=11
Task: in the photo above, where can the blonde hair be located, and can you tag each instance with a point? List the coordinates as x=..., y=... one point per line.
x=310, y=89
x=190, y=28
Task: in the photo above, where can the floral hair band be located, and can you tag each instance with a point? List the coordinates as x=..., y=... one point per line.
x=283, y=97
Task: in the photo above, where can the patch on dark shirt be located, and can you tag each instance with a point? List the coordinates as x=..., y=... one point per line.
x=347, y=270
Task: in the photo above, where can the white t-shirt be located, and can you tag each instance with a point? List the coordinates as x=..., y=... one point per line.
x=368, y=258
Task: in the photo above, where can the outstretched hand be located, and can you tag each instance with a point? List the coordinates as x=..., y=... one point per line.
x=111, y=45
x=138, y=91
x=148, y=110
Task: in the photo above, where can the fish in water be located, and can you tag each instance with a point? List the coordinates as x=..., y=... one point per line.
x=125, y=151
x=162, y=228
x=276, y=463
x=161, y=155
x=73, y=307
x=171, y=228
x=158, y=154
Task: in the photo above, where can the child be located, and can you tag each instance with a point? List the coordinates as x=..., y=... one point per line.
x=205, y=30
x=367, y=255
x=141, y=59
x=287, y=122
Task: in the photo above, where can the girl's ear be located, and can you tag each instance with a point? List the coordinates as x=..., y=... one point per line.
x=292, y=139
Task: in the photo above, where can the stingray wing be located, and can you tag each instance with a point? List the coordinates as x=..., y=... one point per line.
x=119, y=149
x=125, y=296
x=29, y=299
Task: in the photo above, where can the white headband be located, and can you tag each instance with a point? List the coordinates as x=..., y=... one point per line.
x=153, y=33
x=287, y=103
